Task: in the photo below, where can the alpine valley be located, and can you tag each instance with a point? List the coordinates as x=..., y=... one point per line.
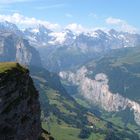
x=88, y=83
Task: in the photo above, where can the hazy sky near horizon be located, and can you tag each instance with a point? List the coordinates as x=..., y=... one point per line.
x=87, y=13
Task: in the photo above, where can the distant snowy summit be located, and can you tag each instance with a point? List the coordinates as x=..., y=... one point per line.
x=41, y=36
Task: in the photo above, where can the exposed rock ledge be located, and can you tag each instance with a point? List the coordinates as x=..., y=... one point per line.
x=19, y=105
x=97, y=91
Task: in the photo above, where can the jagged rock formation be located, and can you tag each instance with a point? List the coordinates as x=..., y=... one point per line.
x=38, y=36
x=97, y=91
x=19, y=105
x=6, y=26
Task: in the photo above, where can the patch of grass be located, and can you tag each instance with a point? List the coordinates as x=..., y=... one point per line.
x=55, y=99
x=66, y=132
x=119, y=124
x=7, y=66
x=45, y=135
x=82, y=102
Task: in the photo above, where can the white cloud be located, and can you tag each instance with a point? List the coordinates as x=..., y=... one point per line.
x=23, y=21
x=77, y=28
x=114, y=21
x=121, y=24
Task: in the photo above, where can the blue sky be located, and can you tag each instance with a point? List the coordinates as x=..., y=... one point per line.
x=87, y=13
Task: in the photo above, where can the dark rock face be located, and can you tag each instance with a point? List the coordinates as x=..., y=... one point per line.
x=19, y=106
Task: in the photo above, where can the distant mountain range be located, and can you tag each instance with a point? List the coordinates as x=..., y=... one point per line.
x=41, y=36
x=99, y=39
x=66, y=49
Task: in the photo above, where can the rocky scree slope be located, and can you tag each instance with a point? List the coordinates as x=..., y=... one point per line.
x=19, y=104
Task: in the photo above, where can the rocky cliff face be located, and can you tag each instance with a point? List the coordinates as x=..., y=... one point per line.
x=19, y=105
x=15, y=48
x=97, y=91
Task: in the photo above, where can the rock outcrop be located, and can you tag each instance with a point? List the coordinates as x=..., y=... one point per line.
x=19, y=104
x=97, y=91
x=16, y=48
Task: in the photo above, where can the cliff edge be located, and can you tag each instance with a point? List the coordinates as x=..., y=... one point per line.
x=19, y=104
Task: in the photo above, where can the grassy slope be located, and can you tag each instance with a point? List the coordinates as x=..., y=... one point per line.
x=6, y=66
x=119, y=121
x=61, y=130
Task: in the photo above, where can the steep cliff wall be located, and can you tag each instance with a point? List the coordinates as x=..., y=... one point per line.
x=97, y=91
x=19, y=105
x=15, y=48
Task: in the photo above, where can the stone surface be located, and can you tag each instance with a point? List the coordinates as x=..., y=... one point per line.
x=19, y=105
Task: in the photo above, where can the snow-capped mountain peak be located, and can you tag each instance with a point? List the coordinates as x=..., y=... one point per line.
x=65, y=37
x=6, y=26
x=41, y=36
x=38, y=36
